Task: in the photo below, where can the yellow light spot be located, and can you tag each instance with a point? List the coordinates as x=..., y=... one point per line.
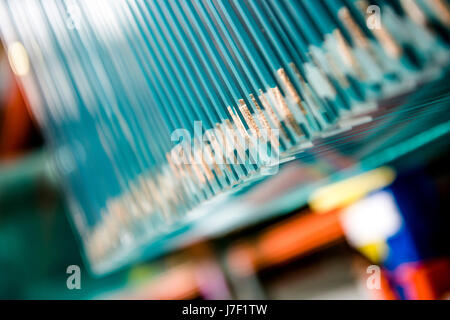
x=376, y=252
x=346, y=192
x=18, y=59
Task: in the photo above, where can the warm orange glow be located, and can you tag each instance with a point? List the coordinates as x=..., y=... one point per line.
x=299, y=236
x=287, y=240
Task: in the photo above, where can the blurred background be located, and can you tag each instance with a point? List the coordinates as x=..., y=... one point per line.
x=360, y=234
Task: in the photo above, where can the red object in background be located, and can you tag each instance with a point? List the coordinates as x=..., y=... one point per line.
x=17, y=129
x=385, y=292
x=428, y=280
x=16, y=123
